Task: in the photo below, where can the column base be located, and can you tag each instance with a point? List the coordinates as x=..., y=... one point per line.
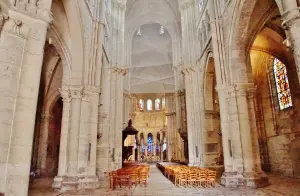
x=66, y=183
x=256, y=179
x=232, y=179
x=253, y=179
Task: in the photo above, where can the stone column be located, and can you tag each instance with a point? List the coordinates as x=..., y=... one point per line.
x=88, y=138
x=194, y=118
x=104, y=145
x=76, y=95
x=43, y=143
x=138, y=158
x=291, y=23
x=76, y=167
x=119, y=114
x=21, y=53
x=239, y=137
x=64, y=135
x=133, y=154
x=154, y=147
x=161, y=152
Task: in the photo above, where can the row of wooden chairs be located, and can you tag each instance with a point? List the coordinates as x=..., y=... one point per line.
x=185, y=176
x=129, y=176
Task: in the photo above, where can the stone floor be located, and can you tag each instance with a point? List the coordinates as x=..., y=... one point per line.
x=160, y=186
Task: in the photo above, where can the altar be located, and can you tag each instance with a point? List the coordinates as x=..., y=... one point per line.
x=151, y=158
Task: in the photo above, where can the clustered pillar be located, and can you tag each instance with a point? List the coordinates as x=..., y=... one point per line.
x=291, y=22
x=239, y=137
x=22, y=42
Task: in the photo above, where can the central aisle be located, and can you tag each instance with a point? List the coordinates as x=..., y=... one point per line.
x=158, y=184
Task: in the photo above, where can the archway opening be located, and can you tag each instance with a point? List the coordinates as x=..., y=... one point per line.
x=213, y=152
x=46, y=143
x=276, y=98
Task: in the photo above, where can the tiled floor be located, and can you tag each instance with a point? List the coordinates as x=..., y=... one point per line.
x=160, y=186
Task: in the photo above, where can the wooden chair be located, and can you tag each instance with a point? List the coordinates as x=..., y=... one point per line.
x=202, y=178
x=211, y=178
x=143, y=178
x=111, y=179
x=183, y=180
x=134, y=179
x=192, y=179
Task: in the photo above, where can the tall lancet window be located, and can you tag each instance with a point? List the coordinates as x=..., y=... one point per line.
x=163, y=103
x=150, y=143
x=157, y=104
x=200, y=4
x=282, y=85
x=141, y=104
x=149, y=105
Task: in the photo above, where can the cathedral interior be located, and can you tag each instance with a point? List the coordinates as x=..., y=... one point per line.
x=186, y=97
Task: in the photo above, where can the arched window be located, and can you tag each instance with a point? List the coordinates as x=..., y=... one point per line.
x=164, y=144
x=200, y=4
x=149, y=105
x=150, y=143
x=282, y=85
x=157, y=104
x=141, y=104
x=163, y=103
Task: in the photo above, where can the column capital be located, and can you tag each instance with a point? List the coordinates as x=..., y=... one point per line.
x=188, y=70
x=224, y=88
x=170, y=113
x=290, y=17
x=76, y=92
x=65, y=94
x=120, y=71
x=89, y=91
x=177, y=67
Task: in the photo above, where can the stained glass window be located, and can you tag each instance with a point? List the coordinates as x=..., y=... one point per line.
x=143, y=148
x=141, y=104
x=149, y=104
x=150, y=143
x=282, y=85
x=200, y=4
x=164, y=145
x=157, y=104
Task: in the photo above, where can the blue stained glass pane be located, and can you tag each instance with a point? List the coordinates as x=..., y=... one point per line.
x=150, y=144
x=282, y=85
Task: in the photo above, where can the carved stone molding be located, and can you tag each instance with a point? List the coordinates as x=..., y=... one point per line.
x=171, y=114
x=16, y=27
x=290, y=17
x=88, y=91
x=65, y=94
x=76, y=92
x=120, y=71
x=188, y=70
x=3, y=17
x=243, y=89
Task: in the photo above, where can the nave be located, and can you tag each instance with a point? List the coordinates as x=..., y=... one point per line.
x=159, y=185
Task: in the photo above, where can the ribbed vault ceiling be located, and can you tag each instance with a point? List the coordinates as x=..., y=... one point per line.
x=151, y=70
x=151, y=57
